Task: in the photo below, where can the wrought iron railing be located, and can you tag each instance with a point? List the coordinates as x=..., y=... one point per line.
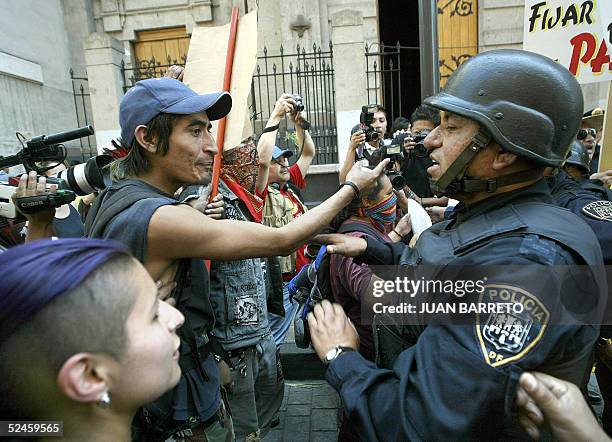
x=82, y=108
x=143, y=69
x=390, y=71
x=309, y=74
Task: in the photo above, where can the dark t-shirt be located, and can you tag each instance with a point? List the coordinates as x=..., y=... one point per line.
x=71, y=226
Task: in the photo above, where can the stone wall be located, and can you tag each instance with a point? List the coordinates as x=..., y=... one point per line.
x=35, y=82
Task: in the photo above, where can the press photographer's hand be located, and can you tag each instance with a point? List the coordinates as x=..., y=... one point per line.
x=41, y=222
x=30, y=186
x=357, y=139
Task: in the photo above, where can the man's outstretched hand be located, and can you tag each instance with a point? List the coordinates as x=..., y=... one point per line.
x=330, y=327
x=342, y=244
x=365, y=178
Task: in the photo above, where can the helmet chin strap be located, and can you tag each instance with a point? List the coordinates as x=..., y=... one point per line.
x=455, y=180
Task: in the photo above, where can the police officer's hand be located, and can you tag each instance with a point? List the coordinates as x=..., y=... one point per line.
x=30, y=185
x=542, y=397
x=605, y=176
x=342, y=244
x=330, y=327
x=357, y=139
x=365, y=178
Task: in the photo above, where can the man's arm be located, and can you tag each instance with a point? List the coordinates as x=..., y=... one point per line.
x=265, y=145
x=180, y=232
x=304, y=139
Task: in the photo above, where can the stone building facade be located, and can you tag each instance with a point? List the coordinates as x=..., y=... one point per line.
x=42, y=40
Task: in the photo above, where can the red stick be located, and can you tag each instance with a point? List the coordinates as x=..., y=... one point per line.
x=227, y=81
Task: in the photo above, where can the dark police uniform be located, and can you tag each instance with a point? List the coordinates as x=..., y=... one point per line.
x=459, y=381
x=593, y=203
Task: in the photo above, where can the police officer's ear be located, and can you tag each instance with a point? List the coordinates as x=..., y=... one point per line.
x=141, y=133
x=503, y=159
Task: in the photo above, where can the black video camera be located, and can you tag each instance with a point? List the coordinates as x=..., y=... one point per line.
x=43, y=153
x=371, y=134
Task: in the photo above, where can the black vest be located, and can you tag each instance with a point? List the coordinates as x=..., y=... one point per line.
x=441, y=246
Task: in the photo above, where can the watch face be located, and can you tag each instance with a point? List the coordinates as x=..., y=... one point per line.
x=331, y=354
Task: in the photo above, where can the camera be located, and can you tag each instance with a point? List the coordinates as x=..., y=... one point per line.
x=299, y=104
x=395, y=153
x=43, y=153
x=84, y=178
x=371, y=134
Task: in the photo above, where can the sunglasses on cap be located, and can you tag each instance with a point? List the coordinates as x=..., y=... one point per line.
x=583, y=133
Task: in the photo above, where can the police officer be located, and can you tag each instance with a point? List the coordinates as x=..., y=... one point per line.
x=577, y=163
x=457, y=381
x=593, y=203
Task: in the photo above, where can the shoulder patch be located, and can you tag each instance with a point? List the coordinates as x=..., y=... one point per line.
x=507, y=335
x=601, y=210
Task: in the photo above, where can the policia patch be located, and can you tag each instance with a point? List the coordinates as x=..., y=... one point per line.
x=508, y=336
x=601, y=210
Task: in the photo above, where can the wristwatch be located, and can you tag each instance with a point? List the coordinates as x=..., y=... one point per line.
x=335, y=352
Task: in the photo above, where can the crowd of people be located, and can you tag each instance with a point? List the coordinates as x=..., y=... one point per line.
x=159, y=309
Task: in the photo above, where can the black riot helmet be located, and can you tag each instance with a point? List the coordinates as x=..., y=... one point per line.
x=530, y=105
x=579, y=157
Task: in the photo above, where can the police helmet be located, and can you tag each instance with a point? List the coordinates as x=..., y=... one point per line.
x=579, y=157
x=530, y=105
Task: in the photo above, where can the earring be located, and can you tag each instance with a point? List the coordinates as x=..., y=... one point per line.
x=105, y=400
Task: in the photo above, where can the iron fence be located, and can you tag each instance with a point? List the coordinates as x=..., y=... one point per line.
x=144, y=69
x=392, y=74
x=82, y=108
x=309, y=74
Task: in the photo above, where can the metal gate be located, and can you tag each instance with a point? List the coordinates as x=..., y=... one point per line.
x=82, y=108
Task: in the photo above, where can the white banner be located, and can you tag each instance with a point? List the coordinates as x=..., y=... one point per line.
x=577, y=34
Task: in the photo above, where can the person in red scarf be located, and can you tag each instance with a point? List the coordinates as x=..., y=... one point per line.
x=278, y=185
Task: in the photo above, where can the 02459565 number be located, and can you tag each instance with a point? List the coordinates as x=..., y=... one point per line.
x=31, y=428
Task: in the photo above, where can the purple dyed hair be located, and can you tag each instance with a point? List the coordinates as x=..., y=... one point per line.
x=35, y=274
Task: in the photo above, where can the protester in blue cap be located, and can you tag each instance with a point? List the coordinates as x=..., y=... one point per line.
x=84, y=338
x=165, y=128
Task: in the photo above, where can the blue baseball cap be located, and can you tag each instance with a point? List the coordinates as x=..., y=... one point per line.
x=149, y=98
x=277, y=152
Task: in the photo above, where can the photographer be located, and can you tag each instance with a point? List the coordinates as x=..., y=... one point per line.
x=367, y=139
x=279, y=185
x=423, y=120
